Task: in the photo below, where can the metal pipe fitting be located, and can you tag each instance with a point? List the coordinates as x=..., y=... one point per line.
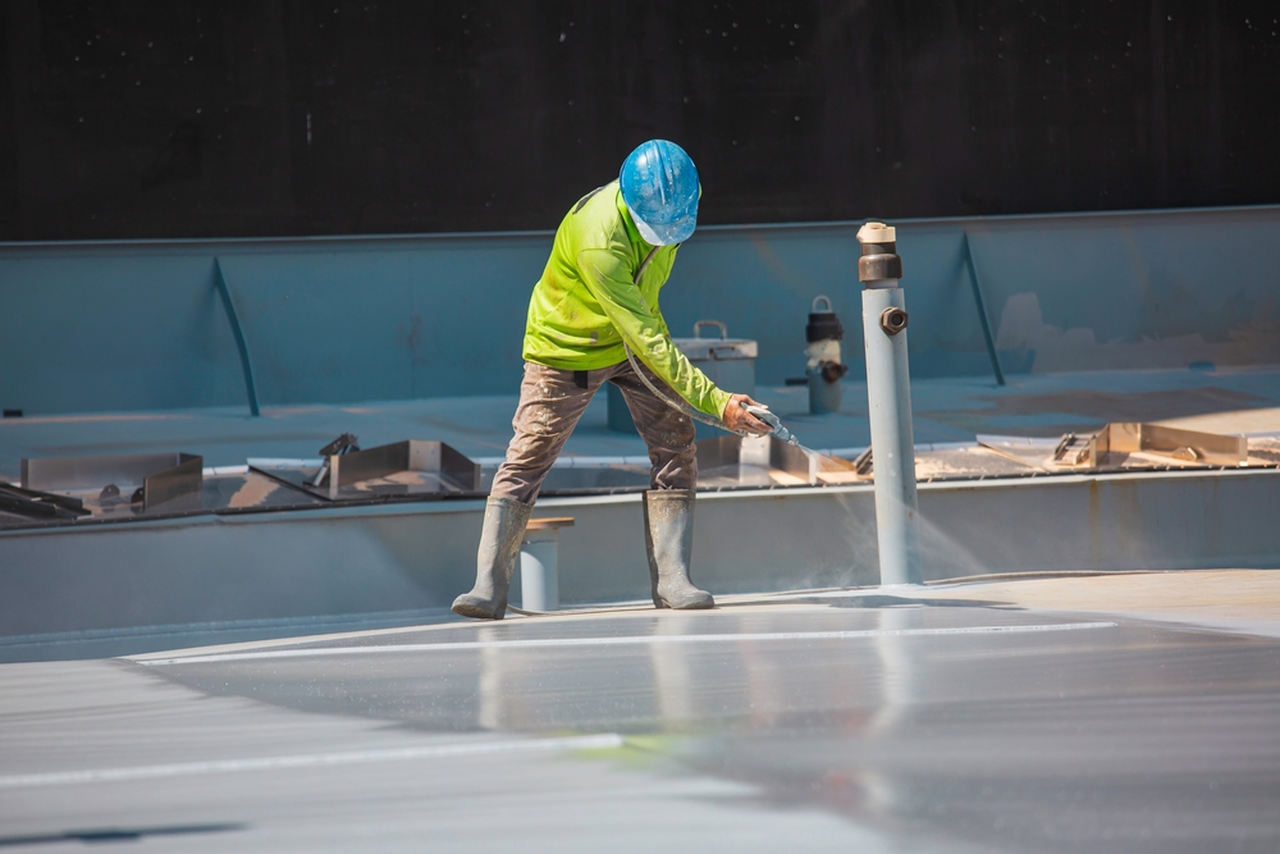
x=879, y=265
x=893, y=320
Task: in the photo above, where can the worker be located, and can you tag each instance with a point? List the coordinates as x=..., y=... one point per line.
x=597, y=297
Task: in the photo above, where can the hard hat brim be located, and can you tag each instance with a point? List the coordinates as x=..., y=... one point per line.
x=667, y=233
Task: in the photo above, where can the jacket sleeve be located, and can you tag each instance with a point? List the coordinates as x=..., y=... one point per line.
x=607, y=276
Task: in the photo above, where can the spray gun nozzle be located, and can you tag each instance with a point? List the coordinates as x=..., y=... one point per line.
x=778, y=432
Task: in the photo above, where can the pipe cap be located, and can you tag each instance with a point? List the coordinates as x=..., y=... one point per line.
x=877, y=232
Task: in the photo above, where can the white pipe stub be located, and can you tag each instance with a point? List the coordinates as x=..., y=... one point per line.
x=877, y=232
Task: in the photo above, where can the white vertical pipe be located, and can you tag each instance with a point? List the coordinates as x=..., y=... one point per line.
x=884, y=332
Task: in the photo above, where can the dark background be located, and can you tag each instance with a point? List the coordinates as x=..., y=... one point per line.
x=285, y=117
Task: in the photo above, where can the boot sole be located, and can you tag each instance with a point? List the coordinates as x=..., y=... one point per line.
x=692, y=606
x=476, y=612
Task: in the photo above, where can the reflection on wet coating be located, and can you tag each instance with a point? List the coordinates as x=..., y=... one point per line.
x=974, y=725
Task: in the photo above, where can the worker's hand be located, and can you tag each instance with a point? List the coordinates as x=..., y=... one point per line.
x=737, y=418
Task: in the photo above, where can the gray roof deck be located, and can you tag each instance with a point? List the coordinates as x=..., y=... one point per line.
x=1057, y=715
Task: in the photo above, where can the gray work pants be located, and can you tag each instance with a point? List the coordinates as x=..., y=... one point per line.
x=551, y=402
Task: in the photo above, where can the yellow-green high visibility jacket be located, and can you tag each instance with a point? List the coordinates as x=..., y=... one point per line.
x=588, y=301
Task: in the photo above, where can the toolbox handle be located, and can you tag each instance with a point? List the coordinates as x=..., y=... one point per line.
x=724, y=330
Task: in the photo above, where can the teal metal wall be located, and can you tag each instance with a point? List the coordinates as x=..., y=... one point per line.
x=120, y=326
x=329, y=561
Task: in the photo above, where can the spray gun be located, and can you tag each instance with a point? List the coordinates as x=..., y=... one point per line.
x=779, y=432
x=782, y=434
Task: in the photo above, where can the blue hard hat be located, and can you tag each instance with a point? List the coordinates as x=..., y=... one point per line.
x=660, y=187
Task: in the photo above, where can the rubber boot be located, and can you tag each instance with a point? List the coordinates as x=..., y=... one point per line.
x=668, y=540
x=500, y=537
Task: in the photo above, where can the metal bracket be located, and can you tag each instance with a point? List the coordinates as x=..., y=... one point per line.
x=169, y=481
x=1075, y=450
x=344, y=444
x=1176, y=442
x=1127, y=437
x=34, y=503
